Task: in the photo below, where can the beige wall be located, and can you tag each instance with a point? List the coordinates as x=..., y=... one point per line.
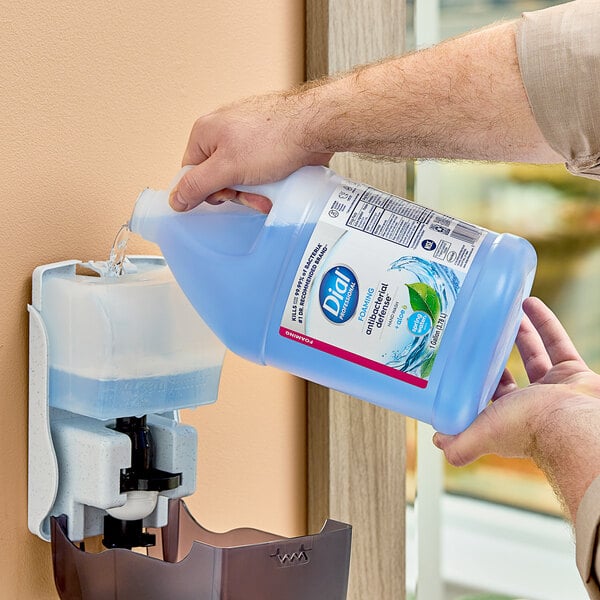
x=96, y=102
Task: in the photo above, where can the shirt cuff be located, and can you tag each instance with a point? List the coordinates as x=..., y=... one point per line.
x=586, y=537
x=559, y=58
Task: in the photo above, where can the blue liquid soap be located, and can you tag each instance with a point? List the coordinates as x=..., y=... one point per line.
x=353, y=288
x=138, y=396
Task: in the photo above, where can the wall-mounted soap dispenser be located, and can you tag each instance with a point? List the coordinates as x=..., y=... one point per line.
x=112, y=360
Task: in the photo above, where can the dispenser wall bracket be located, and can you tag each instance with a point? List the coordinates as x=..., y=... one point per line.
x=75, y=461
x=43, y=466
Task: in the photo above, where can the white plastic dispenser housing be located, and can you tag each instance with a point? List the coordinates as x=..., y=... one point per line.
x=112, y=359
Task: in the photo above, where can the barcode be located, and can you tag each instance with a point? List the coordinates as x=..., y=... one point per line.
x=466, y=233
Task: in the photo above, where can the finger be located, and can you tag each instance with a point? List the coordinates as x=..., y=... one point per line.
x=259, y=203
x=499, y=429
x=533, y=353
x=199, y=146
x=226, y=195
x=200, y=182
x=556, y=340
x=193, y=155
x=506, y=385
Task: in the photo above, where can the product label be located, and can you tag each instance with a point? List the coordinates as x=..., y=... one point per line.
x=378, y=281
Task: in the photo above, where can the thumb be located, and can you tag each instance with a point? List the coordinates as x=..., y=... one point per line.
x=200, y=182
x=475, y=441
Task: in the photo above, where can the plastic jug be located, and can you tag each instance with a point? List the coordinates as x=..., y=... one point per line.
x=353, y=288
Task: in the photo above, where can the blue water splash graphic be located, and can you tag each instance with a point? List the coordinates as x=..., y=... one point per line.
x=410, y=357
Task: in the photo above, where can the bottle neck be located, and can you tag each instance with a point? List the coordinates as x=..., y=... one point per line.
x=150, y=206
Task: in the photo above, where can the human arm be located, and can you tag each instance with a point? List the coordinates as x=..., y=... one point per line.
x=555, y=420
x=463, y=98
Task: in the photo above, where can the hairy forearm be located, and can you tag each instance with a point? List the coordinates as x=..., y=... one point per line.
x=462, y=99
x=567, y=449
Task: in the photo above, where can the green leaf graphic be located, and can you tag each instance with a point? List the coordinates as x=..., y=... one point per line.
x=428, y=365
x=424, y=297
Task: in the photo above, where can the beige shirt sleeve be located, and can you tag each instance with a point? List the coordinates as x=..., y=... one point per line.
x=586, y=539
x=559, y=57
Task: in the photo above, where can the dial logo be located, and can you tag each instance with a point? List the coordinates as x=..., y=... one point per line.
x=338, y=294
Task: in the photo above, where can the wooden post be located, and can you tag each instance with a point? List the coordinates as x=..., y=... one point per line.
x=356, y=458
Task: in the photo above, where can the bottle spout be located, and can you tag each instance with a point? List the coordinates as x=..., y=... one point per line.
x=149, y=207
x=152, y=205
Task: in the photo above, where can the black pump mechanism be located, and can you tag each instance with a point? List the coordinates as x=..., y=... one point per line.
x=140, y=476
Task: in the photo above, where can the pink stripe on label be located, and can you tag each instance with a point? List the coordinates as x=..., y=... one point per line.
x=351, y=357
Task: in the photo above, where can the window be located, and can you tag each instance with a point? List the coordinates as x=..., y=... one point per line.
x=560, y=215
x=504, y=510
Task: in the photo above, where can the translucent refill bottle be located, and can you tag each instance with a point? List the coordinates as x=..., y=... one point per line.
x=353, y=288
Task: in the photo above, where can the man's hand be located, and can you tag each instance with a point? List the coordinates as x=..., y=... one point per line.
x=555, y=420
x=254, y=141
